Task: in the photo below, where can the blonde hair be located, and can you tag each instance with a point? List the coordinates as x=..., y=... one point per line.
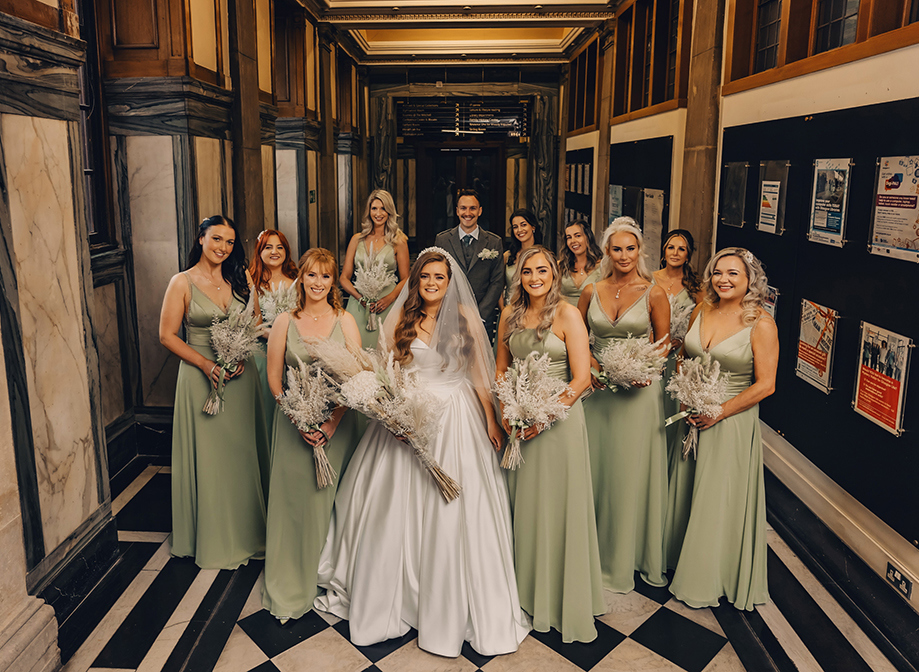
x=317, y=257
x=623, y=225
x=392, y=234
x=520, y=300
x=757, y=290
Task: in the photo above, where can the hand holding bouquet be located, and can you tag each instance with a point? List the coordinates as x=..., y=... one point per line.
x=530, y=398
x=371, y=280
x=234, y=339
x=700, y=386
x=308, y=401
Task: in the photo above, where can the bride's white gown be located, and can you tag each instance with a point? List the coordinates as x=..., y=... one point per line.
x=398, y=556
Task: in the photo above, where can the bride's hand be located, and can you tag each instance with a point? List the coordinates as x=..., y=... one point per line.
x=495, y=435
x=314, y=438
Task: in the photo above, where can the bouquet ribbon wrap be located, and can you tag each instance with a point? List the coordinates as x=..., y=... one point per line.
x=215, y=400
x=691, y=440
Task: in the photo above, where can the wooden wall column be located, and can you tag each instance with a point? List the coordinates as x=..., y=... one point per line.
x=245, y=123
x=328, y=170
x=607, y=41
x=700, y=157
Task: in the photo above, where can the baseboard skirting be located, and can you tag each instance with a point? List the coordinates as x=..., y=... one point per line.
x=29, y=642
x=869, y=537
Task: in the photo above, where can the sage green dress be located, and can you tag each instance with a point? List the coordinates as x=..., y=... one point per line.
x=360, y=313
x=218, y=507
x=675, y=431
x=260, y=359
x=509, y=271
x=628, y=460
x=555, y=535
x=298, y=511
x=716, y=510
x=571, y=291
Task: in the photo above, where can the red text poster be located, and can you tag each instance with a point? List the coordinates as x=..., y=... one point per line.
x=880, y=383
x=816, y=341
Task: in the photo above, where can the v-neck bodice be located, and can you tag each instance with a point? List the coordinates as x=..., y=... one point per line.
x=296, y=348
x=525, y=341
x=202, y=311
x=571, y=291
x=734, y=353
x=633, y=322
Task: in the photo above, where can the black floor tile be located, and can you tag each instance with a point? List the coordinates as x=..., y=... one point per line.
x=133, y=639
x=192, y=635
x=267, y=666
x=273, y=638
x=660, y=595
x=473, y=656
x=126, y=475
x=150, y=510
x=376, y=652
x=679, y=640
x=752, y=640
x=372, y=668
x=84, y=619
x=584, y=656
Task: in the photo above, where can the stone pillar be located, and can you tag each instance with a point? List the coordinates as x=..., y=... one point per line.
x=700, y=156
x=245, y=123
x=328, y=170
x=601, y=165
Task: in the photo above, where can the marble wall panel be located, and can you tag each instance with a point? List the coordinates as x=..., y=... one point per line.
x=108, y=344
x=48, y=275
x=268, y=192
x=12, y=552
x=208, y=173
x=151, y=194
x=287, y=190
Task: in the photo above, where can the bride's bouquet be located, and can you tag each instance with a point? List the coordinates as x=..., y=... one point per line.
x=679, y=318
x=308, y=401
x=379, y=387
x=279, y=299
x=530, y=397
x=700, y=386
x=370, y=280
x=627, y=360
x=234, y=340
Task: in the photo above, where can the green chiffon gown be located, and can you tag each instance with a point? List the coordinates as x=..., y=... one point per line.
x=360, y=313
x=269, y=405
x=571, y=291
x=628, y=461
x=298, y=511
x=675, y=431
x=509, y=271
x=218, y=507
x=716, y=510
x=555, y=535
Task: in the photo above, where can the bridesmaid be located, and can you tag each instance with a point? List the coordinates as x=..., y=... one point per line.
x=716, y=518
x=628, y=446
x=525, y=233
x=272, y=268
x=218, y=508
x=298, y=511
x=680, y=282
x=555, y=535
x=580, y=260
x=380, y=235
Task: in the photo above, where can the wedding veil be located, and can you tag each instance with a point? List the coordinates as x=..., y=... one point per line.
x=458, y=325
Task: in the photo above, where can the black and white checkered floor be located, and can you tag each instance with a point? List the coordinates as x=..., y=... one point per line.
x=153, y=612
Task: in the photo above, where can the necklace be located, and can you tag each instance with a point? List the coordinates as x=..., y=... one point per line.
x=621, y=287
x=316, y=317
x=206, y=277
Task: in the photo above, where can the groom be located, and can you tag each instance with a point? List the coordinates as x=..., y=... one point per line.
x=480, y=253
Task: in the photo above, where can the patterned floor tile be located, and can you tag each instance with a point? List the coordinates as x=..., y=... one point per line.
x=410, y=658
x=679, y=640
x=474, y=656
x=725, y=661
x=376, y=652
x=240, y=654
x=532, y=656
x=703, y=617
x=273, y=638
x=660, y=595
x=585, y=656
x=326, y=651
x=631, y=656
x=626, y=612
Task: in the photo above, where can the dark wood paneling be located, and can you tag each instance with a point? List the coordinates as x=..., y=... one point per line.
x=33, y=11
x=134, y=24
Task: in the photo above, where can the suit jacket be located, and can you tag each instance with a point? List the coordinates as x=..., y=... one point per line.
x=486, y=276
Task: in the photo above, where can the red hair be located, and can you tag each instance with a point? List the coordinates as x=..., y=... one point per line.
x=261, y=274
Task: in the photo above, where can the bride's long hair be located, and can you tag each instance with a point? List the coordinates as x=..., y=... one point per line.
x=520, y=299
x=412, y=313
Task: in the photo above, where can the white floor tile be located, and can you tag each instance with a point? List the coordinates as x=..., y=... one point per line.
x=703, y=617
x=146, y=537
x=128, y=493
x=789, y=639
x=625, y=613
x=630, y=656
x=240, y=654
x=725, y=661
x=327, y=651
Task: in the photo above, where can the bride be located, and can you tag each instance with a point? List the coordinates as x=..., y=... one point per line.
x=398, y=556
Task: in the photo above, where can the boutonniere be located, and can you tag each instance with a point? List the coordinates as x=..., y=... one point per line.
x=488, y=254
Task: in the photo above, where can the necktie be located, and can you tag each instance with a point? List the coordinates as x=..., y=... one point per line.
x=467, y=240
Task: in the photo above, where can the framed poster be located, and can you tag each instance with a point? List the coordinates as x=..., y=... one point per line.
x=816, y=342
x=652, y=219
x=615, y=202
x=772, y=298
x=895, y=217
x=829, y=201
x=773, y=181
x=733, y=193
x=880, y=380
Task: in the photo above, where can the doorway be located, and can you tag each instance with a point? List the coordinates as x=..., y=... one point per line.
x=445, y=167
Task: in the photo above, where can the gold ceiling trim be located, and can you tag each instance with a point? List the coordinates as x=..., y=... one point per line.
x=528, y=17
